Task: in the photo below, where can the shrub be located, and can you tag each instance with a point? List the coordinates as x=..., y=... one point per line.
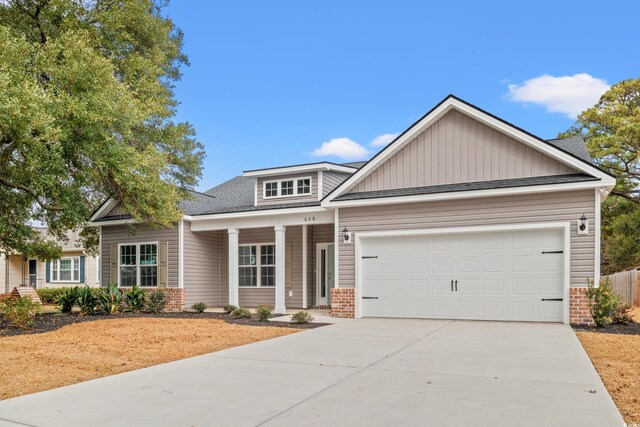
x=228, y=308
x=20, y=311
x=156, y=300
x=264, y=311
x=110, y=298
x=86, y=300
x=49, y=295
x=622, y=313
x=135, y=298
x=199, y=307
x=603, y=302
x=241, y=313
x=301, y=317
x=67, y=300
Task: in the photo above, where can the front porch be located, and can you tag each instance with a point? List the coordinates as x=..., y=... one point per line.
x=287, y=266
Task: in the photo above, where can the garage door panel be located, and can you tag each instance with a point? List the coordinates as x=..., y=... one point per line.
x=501, y=276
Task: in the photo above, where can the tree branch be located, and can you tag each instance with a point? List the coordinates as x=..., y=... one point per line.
x=35, y=196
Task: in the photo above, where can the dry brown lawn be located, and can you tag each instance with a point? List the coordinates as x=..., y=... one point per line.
x=616, y=357
x=88, y=350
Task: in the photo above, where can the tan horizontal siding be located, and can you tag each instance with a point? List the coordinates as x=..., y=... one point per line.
x=536, y=208
x=203, y=268
x=115, y=234
x=322, y=233
x=288, y=199
x=458, y=148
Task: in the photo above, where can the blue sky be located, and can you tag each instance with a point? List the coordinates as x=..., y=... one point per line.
x=270, y=82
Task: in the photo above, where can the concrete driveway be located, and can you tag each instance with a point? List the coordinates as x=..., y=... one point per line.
x=358, y=372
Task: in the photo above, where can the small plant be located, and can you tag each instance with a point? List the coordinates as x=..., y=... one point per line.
x=622, y=313
x=229, y=308
x=49, y=295
x=603, y=302
x=264, y=311
x=241, y=313
x=301, y=317
x=20, y=311
x=110, y=298
x=156, y=300
x=199, y=307
x=135, y=298
x=86, y=300
x=67, y=300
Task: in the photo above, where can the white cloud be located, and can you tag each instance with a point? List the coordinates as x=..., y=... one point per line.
x=383, y=139
x=569, y=95
x=343, y=148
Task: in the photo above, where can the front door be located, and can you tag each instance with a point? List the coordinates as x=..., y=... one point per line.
x=33, y=272
x=325, y=261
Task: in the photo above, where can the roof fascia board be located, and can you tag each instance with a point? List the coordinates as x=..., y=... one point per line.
x=299, y=168
x=112, y=222
x=248, y=214
x=468, y=194
x=103, y=207
x=436, y=113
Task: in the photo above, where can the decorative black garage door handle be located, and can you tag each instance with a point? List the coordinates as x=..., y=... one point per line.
x=369, y=257
x=552, y=299
x=552, y=252
x=369, y=297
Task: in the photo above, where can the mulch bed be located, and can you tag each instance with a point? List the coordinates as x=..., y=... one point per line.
x=47, y=322
x=631, y=328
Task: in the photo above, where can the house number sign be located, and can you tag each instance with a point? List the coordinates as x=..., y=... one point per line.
x=309, y=218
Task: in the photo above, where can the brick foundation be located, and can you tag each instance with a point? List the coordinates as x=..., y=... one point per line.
x=175, y=295
x=579, y=307
x=343, y=302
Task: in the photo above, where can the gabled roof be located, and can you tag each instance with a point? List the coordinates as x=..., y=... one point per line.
x=565, y=152
x=305, y=167
x=573, y=145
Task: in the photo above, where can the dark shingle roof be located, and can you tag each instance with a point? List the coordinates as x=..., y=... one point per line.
x=468, y=186
x=573, y=145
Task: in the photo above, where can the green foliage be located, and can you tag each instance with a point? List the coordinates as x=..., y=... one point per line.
x=157, y=299
x=603, y=302
x=67, y=300
x=50, y=295
x=241, y=313
x=20, y=311
x=229, y=308
x=135, y=299
x=620, y=234
x=87, y=111
x=622, y=313
x=110, y=298
x=301, y=317
x=264, y=311
x=199, y=307
x=87, y=300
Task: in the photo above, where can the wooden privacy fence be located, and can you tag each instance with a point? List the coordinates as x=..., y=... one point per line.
x=627, y=285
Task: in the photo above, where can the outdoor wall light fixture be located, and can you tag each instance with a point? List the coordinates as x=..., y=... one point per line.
x=583, y=225
x=346, y=235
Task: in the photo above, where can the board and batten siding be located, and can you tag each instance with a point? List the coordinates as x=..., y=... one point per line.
x=288, y=199
x=520, y=209
x=204, y=277
x=455, y=149
x=331, y=180
x=115, y=234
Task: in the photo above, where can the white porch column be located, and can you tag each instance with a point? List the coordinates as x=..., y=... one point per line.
x=280, y=267
x=233, y=266
x=304, y=264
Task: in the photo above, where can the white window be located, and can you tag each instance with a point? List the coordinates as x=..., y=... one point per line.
x=257, y=265
x=287, y=187
x=65, y=269
x=138, y=264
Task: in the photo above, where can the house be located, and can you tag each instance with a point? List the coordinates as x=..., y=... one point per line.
x=462, y=216
x=74, y=268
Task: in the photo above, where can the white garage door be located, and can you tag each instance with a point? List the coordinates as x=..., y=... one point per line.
x=515, y=275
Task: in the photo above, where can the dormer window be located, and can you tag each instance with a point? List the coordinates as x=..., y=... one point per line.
x=287, y=188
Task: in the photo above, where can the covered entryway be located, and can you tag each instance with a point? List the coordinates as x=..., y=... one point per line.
x=490, y=275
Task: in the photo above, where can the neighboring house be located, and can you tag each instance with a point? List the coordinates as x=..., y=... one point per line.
x=462, y=216
x=75, y=267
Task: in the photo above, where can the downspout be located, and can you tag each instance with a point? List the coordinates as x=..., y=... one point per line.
x=219, y=266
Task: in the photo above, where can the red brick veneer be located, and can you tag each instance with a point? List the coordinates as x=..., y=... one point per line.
x=175, y=295
x=579, y=307
x=343, y=302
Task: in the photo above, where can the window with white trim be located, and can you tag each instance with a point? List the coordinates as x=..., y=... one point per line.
x=65, y=269
x=257, y=265
x=287, y=188
x=138, y=264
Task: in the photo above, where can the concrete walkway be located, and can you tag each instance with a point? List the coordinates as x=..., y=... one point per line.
x=359, y=372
